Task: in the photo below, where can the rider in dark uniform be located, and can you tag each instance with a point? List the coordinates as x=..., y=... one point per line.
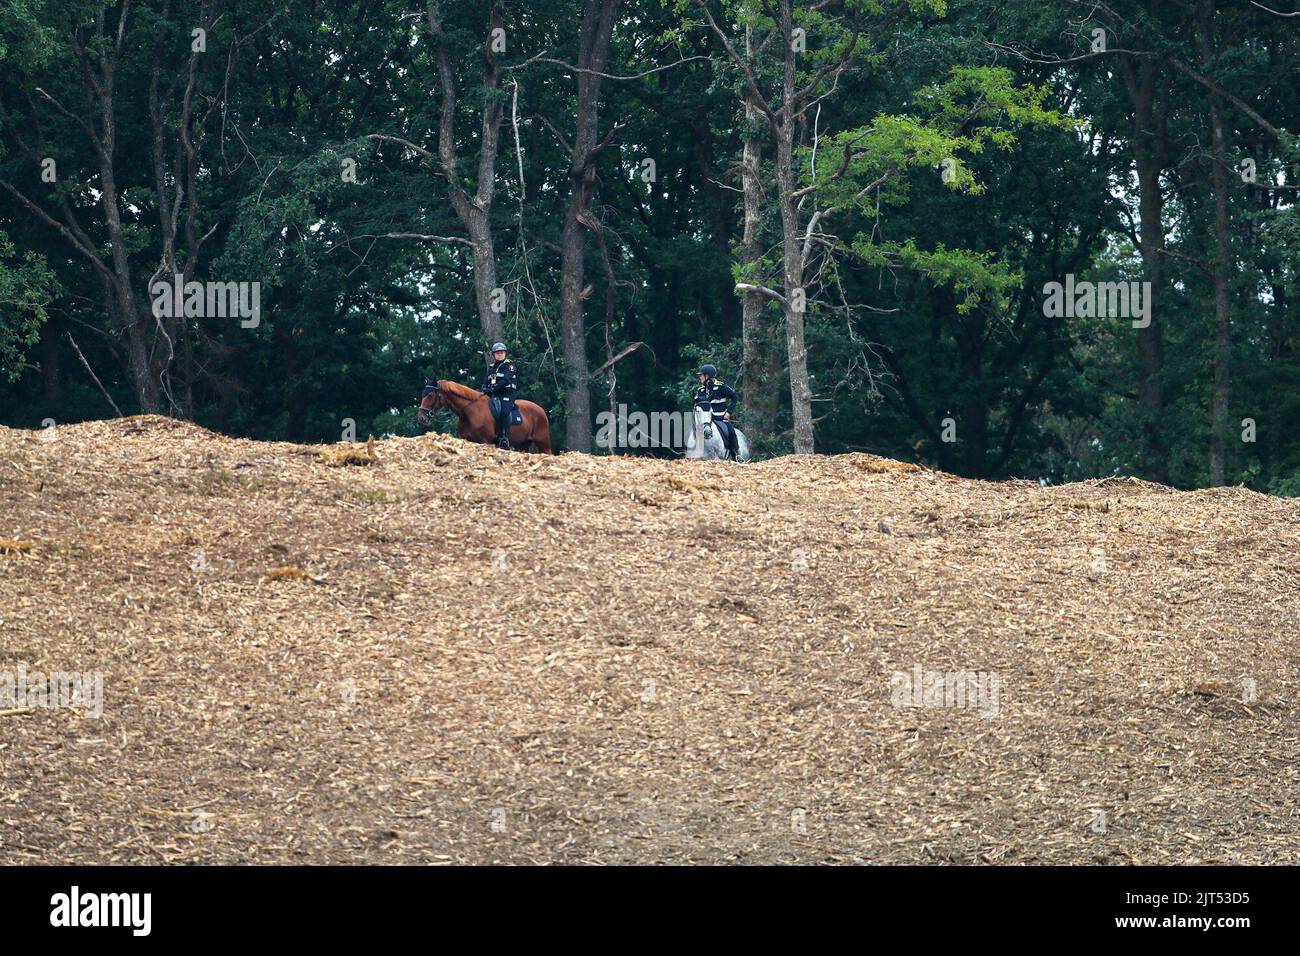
x=501, y=384
x=719, y=399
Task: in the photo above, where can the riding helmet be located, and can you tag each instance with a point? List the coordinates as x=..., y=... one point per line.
x=498, y=347
x=708, y=370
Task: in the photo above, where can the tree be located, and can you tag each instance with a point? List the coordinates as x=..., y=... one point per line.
x=473, y=209
x=585, y=147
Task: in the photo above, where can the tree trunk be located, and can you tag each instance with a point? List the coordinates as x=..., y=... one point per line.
x=485, y=275
x=1149, y=93
x=792, y=255
x=1150, y=340
x=974, y=422
x=596, y=31
x=792, y=251
x=474, y=212
x=577, y=397
x=1222, y=265
x=760, y=357
x=51, y=370
x=133, y=319
x=1222, y=315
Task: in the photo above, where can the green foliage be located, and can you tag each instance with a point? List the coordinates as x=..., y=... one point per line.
x=27, y=286
x=976, y=276
x=976, y=107
x=952, y=177
x=1286, y=487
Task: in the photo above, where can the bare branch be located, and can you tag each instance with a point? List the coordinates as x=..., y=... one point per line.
x=1216, y=89
x=404, y=142
x=628, y=350
x=100, y=385
x=1275, y=13
x=420, y=235
x=58, y=227
x=746, y=69
x=605, y=76
x=761, y=290
x=1060, y=61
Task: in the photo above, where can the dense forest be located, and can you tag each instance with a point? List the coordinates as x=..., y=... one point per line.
x=1051, y=240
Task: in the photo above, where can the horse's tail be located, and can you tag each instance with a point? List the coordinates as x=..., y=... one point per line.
x=541, y=433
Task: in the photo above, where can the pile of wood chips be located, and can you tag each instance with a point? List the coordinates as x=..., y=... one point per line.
x=460, y=654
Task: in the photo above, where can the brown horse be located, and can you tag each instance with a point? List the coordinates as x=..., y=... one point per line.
x=475, y=415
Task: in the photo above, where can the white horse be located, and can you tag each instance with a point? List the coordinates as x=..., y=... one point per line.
x=704, y=441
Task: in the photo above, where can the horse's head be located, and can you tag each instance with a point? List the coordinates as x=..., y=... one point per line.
x=704, y=420
x=430, y=401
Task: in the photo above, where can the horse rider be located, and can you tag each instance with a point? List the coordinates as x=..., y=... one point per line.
x=719, y=399
x=501, y=383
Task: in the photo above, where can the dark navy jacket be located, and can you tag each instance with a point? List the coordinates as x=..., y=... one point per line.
x=502, y=380
x=718, y=398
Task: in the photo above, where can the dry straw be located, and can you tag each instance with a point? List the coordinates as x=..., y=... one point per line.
x=477, y=655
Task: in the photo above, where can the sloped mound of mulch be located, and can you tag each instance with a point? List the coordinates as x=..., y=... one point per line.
x=459, y=654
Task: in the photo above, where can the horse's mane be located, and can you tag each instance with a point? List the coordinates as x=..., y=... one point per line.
x=464, y=391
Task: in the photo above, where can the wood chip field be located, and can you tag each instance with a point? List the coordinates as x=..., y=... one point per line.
x=423, y=651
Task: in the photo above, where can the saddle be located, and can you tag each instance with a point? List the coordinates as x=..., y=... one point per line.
x=496, y=403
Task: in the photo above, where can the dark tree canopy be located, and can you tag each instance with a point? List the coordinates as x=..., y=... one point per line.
x=1053, y=241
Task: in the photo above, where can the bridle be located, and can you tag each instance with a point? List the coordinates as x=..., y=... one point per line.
x=707, y=426
x=443, y=401
x=431, y=387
